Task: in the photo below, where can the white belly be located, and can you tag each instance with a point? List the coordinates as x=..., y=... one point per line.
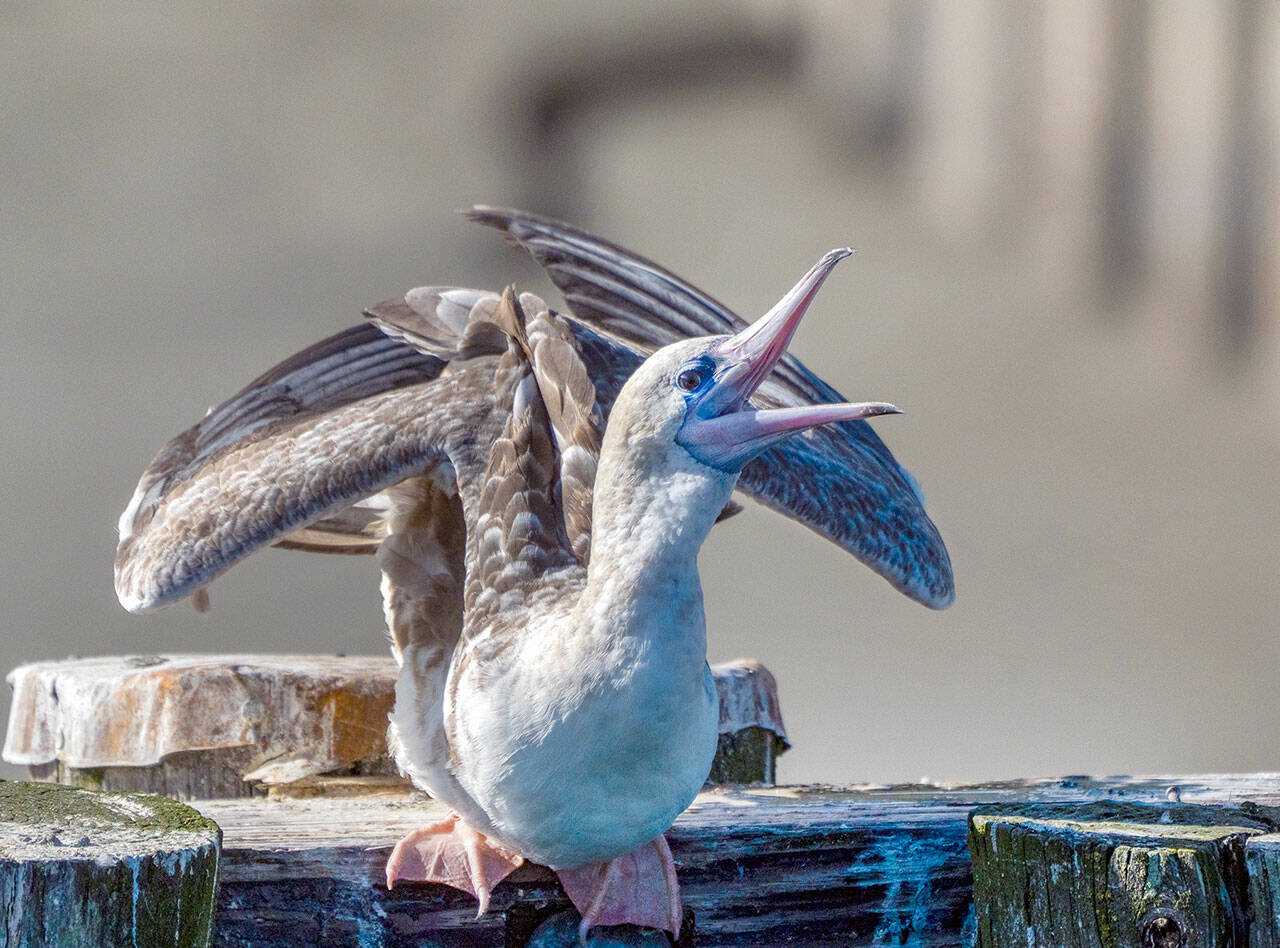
x=598, y=765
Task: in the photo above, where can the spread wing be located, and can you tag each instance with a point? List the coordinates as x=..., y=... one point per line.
x=356, y=363
x=839, y=480
x=206, y=503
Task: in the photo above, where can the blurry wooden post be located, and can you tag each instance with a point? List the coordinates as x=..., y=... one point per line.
x=1077, y=70
x=859, y=69
x=1268, y=170
x=751, y=730
x=954, y=161
x=204, y=726
x=1188, y=105
x=85, y=870
x=1143, y=876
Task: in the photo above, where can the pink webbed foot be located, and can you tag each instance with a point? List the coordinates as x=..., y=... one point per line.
x=638, y=888
x=452, y=853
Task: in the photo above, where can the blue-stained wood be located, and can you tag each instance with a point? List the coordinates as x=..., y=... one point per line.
x=800, y=865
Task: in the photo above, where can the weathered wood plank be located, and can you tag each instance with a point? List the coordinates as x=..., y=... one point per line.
x=803, y=865
x=83, y=870
x=756, y=866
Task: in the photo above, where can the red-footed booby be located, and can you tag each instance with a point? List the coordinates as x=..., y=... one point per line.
x=537, y=494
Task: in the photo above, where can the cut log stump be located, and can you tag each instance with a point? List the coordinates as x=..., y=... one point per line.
x=85, y=870
x=192, y=726
x=1109, y=875
x=228, y=726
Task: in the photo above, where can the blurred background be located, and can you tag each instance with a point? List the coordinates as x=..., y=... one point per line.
x=1067, y=216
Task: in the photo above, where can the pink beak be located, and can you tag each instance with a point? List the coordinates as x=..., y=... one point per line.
x=718, y=430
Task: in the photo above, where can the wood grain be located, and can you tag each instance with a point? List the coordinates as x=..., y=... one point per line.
x=1103, y=875
x=861, y=865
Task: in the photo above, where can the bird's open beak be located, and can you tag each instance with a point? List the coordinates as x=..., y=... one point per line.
x=724, y=434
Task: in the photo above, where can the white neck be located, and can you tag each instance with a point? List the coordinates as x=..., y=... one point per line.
x=650, y=517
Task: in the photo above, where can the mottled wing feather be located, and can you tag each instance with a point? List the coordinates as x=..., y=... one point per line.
x=569, y=397
x=455, y=322
x=447, y=322
x=285, y=475
x=354, y=364
x=841, y=481
x=830, y=482
x=348, y=366
x=422, y=567
x=517, y=523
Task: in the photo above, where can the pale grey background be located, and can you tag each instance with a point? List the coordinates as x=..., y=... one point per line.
x=189, y=193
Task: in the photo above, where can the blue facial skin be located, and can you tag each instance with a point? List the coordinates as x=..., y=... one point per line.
x=695, y=377
x=695, y=380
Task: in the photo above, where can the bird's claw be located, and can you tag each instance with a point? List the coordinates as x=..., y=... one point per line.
x=452, y=853
x=637, y=888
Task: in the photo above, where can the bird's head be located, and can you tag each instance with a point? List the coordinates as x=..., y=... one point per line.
x=691, y=398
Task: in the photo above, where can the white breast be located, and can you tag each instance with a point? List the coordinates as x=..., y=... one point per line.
x=596, y=742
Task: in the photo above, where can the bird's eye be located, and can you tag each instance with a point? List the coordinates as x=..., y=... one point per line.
x=689, y=379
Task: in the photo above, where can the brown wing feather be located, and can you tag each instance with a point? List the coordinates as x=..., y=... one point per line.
x=569, y=396
x=518, y=528
x=422, y=566
x=286, y=475
x=448, y=322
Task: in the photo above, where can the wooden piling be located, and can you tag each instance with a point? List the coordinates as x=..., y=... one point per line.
x=1108, y=875
x=84, y=870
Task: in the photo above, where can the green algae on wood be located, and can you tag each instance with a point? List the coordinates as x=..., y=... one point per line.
x=746, y=756
x=88, y=869
x=1111, y=875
